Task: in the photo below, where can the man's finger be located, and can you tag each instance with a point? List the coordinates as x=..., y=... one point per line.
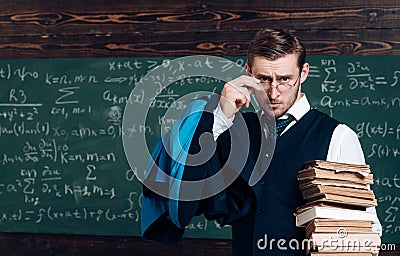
x=240, y=89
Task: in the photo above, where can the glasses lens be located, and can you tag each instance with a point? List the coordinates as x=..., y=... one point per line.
x=283, y=87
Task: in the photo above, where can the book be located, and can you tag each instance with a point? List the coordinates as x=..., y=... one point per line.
x=341, y=223
x=330, y=225
x=322, y=212
x=304, y=184
x=313, y=173
x=340, y=199
x=309, y=205
x=337, y=190
x=362, y=169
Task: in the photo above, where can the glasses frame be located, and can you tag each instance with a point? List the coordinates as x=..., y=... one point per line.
x=290, y=86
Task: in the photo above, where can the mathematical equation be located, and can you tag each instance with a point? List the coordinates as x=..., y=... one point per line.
x=371, y=129
x=380, y=103
x=391, y=206
x=47, y=149
x=358, y=77
x=76, y=214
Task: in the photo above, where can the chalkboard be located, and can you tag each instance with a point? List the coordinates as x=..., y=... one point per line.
x=63, y=165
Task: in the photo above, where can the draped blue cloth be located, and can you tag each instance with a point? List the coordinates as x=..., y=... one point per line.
x=178, y=139
x=156, y=209
x=164, y=219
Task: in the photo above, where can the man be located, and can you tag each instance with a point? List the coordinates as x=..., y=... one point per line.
x=276, y=69
x=277, y=60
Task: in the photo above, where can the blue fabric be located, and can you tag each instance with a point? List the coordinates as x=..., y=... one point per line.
x=178, y=140
x=183, y=129
x=163, y=219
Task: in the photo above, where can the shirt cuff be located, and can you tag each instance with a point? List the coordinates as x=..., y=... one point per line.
x=221, y=122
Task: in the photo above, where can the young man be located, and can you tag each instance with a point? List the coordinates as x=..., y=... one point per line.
x=276, y=69
x=276, y=60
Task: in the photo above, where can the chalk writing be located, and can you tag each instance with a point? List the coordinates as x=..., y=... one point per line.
x=371, y=129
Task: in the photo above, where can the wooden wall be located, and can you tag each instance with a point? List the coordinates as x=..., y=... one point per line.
x=122, y=28
x=113, y=28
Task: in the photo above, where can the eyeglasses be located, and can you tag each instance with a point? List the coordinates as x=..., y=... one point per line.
x=282, y=87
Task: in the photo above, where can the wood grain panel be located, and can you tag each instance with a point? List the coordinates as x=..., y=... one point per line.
x=105, y=22
x=54, y=18
x=59, y=245
x=320, y=42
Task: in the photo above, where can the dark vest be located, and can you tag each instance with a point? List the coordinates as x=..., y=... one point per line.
x=277, y=192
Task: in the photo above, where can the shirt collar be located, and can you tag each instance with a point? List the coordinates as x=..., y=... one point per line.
x=299, y=108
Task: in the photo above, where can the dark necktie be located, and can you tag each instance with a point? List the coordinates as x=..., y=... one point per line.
x=282, y=123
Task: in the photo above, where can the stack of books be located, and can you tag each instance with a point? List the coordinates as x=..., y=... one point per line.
x=334, y=216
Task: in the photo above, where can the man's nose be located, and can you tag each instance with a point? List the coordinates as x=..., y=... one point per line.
x=273, y=92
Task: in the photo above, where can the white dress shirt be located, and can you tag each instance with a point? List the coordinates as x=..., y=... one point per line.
x=344, y=146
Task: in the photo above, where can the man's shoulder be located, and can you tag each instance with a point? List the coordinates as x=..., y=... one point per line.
x=323, y=116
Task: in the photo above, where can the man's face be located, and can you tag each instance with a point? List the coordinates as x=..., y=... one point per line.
x=280, y=71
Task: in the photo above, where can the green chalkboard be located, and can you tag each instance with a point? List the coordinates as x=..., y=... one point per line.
x=63, y=165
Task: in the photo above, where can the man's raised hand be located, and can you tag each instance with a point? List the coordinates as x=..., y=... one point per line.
x=236, y=94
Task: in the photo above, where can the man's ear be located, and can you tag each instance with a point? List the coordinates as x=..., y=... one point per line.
x=248, y=69
x=304, y=72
